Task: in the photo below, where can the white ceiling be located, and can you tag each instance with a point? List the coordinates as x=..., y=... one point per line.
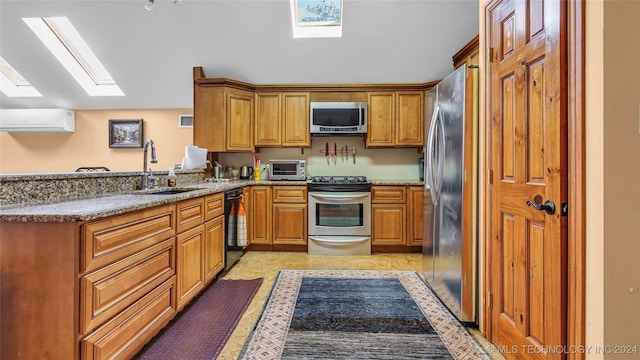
x=151, y=55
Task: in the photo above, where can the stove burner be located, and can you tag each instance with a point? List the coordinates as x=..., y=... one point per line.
x=339, y=180
x=339, y=184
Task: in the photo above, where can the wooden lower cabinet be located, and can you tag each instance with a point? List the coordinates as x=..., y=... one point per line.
x=102, y=289
x=388, y=224
x=189, y=264
x=260, y=216
x=290, y=224
x=397, y=223
x=278, y=217
x=124, y=335
x=213, y=252
x=289, y=212
x=415, y=214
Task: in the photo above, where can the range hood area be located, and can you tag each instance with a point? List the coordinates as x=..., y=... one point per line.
x=37, y=120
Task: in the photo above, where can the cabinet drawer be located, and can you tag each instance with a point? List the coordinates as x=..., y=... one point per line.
x=128, y=332
x=190, y=214
x=388, y=194
x=214, y=206
x=106, y=292
x=289, y=194
x=113, y=239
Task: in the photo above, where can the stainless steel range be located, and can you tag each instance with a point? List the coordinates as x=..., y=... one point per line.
x=339, y=215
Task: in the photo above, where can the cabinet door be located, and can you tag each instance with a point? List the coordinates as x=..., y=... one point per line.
x=268, y=115
x=209, y=118
x=260, y=218
x=189, y=265
x=239, y=121
x=213, y=253
x=290, y=224
x=388, y=224
x=416, y=216
x=409, y=119
x=295, y=120
x=381, y=114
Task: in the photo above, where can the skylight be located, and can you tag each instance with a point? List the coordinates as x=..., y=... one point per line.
x=13, y=84
x=66, y=44
x=316, y=18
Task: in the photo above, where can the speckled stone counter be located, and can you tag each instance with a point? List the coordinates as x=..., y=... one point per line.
x=397, y=182
x=70, y=197
x=52, y=187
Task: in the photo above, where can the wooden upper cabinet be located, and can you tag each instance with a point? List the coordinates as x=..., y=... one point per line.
x=382, y=118
x=295, y=120
x=268, y=124
x=410, y=118
x=239, y=120
x=223, y=117
x=396, y=119
x=282, y=119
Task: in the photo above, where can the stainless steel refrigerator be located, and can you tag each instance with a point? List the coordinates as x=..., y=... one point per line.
x=449, y=249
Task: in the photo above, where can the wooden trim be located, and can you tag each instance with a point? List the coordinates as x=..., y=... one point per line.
x=576, y=193
x=471, y=47
x=201, y=80
x=484, y=173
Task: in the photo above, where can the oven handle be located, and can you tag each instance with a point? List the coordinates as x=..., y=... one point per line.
x=340, y=241
x=340, y=198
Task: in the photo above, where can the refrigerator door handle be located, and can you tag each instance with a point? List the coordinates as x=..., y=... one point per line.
x=429, y=158
x=441, y=152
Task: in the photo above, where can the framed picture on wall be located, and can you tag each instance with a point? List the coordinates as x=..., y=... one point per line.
x=125, y=133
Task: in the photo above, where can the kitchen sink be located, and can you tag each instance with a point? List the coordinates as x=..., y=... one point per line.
x=166, y=192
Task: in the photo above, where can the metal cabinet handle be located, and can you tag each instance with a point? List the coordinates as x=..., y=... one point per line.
x=549, y=207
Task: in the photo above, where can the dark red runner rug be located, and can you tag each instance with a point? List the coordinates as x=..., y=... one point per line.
x=201, y=330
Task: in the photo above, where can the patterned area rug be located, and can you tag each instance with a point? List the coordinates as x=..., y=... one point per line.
x=335, y=314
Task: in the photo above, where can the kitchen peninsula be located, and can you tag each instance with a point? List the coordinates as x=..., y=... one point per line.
x=99, y=269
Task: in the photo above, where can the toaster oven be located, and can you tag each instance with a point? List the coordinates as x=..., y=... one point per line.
x=287, y=170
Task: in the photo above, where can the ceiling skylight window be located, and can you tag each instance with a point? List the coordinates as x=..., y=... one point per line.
x=316, y=18
x=66, y=44
x=13, y=84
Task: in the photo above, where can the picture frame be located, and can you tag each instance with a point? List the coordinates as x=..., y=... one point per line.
x=125, y=133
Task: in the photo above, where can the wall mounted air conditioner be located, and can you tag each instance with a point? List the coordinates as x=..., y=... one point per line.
x=37, y=120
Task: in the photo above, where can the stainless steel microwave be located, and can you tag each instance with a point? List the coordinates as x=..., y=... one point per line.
x=287, y=170
x=338, y=118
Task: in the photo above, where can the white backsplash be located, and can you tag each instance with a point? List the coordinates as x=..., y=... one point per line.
x=377, y=164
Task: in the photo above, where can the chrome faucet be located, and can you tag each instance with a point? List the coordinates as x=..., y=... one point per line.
x=146, y=174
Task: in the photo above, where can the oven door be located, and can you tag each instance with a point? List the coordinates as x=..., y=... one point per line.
x=340, y=213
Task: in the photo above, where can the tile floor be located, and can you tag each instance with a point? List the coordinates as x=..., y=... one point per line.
x=256, y=264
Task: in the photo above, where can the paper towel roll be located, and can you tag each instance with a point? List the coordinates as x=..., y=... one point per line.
x=194, y=158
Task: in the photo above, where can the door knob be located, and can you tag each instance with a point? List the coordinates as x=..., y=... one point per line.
x=549, y=207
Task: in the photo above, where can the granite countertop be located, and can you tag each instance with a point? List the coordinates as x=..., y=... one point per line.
x=398, y=182
x=91, y=208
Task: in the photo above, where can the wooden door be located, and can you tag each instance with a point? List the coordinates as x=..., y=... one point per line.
x=528, y=163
